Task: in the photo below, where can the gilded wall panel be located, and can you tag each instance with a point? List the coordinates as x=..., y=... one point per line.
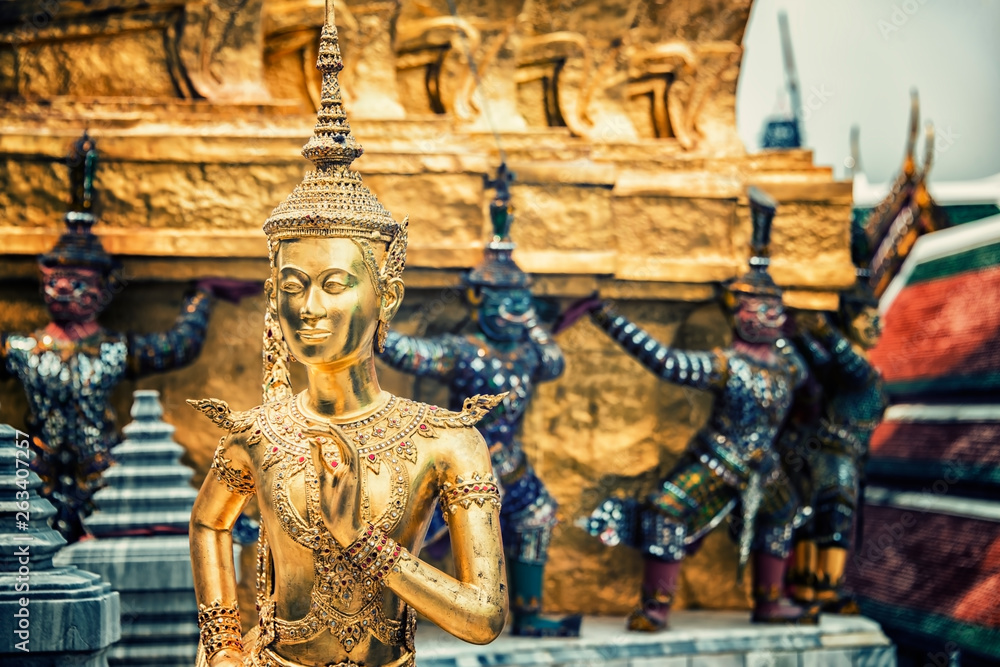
x=562, y=216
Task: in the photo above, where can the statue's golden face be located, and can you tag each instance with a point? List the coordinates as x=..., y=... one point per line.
x=326, y=300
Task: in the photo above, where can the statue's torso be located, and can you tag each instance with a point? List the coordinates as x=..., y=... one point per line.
x=483, y=368
x=322, y=604
x=69, y=386
x=747, y=414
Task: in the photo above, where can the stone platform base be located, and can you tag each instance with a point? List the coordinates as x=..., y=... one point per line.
x=697, y=639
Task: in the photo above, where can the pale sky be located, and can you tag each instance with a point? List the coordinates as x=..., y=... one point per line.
x=858, y=59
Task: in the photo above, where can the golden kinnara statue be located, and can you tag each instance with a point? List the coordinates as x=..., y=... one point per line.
x=346, y=474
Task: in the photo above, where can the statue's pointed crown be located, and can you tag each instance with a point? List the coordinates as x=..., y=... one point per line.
x=498, y=268
x=758, y=280
x=78, y=246
x=331, y=201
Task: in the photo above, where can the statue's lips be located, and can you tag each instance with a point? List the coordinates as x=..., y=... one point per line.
x=313, y=335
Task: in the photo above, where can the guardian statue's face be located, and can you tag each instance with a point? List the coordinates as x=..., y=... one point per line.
x=326, y=299
x=865, y=327
x=504, y=314
x=73, y=295
x=758, y=319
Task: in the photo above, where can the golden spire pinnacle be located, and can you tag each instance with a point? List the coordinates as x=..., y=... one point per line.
x=332, y=142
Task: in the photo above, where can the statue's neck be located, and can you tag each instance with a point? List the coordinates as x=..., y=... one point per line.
x=343, y=392
x=763, y=352
x=72, y=331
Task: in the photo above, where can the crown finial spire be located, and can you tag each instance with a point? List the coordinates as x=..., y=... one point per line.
x=332, y=143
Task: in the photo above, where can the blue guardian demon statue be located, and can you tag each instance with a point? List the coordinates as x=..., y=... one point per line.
x=507, y=352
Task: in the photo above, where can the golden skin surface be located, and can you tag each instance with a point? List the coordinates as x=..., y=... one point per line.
x=328, y=306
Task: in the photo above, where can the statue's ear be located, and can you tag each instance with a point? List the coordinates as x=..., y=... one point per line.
x=392, y=298
x=269, y=294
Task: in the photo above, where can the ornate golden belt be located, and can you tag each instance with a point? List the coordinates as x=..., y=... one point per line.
x=268, y=658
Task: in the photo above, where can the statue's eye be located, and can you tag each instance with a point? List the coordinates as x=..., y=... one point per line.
x=334, y=286
x=291, y=286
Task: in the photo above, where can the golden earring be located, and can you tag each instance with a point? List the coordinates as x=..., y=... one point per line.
x=381, y=333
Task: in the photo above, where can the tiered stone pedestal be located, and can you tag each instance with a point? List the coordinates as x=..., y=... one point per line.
x=50, y=615
x=696, y=639
x=142, y=543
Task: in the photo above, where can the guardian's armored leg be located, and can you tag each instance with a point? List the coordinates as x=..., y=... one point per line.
x=528, y=516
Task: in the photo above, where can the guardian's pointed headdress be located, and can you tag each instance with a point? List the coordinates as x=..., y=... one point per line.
x=498, y=268
x=79, y=246
x=330, y=202
x=758, y=280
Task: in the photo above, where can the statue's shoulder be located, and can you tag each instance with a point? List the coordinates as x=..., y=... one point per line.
x=235, y=422
x=473, y=411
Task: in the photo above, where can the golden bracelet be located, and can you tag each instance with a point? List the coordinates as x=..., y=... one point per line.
x=374, y=552
x=220, y=628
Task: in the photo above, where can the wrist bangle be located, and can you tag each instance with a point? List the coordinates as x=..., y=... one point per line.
x=220, y=628
x=374, y=552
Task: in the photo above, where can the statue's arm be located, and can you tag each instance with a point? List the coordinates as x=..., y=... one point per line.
x=221, y=500
x=815, y=354
x=473, y=604
x=847, y=364
x=701, y=370
x=552, y=361
x=151, y=353
x=423, y=357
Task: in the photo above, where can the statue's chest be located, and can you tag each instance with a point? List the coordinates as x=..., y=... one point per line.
x=386, y=446
x=487, y=371
x=81, y=378
x=756, y=400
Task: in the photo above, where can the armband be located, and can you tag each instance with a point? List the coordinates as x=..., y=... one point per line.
x=481, y=489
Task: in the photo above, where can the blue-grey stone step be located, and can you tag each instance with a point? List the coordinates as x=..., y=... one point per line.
x=696, y=639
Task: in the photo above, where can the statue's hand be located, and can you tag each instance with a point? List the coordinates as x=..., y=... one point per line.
x=811, y=321
x=339, y=485
x=577, y=310
x=229, y=290
x=226, y=658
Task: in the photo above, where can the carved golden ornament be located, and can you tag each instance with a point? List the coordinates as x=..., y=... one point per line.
x=223, y=417
x=220, y=627
x=236, y=480
x=481, y=489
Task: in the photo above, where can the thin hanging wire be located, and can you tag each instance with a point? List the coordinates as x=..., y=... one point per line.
x=483, y=100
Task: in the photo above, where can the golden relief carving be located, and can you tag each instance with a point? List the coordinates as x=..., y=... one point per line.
x=175, y=49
